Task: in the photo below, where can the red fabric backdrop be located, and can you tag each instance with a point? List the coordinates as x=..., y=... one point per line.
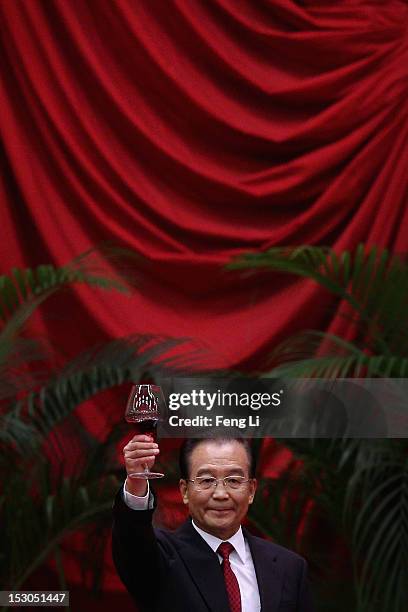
x=193, y=130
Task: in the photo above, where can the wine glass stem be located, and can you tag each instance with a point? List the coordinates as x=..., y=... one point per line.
x=146, y=468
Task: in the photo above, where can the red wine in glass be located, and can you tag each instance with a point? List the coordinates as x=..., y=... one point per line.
x=146, y=426
x=144, y=408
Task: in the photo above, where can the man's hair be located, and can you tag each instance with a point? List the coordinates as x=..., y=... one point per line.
x=191, y=443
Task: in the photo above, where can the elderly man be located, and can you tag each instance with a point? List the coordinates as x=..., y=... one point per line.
x=210, y=563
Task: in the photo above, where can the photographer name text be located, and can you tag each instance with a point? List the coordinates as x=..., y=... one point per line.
x=217, y=421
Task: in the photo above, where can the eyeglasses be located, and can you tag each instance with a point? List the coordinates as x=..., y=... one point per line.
x=204, y=483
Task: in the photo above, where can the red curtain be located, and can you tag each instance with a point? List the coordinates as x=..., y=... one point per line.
x=194, y=130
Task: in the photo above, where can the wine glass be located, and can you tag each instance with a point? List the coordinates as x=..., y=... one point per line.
x=144, y=408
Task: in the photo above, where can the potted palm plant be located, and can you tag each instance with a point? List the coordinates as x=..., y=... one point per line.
x=360, y=484
x=56, y=476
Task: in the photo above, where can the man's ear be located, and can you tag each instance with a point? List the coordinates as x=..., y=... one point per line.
x=253, y=483
x=183, y=490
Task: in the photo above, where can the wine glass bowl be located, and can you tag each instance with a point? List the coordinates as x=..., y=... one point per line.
x=145, y=407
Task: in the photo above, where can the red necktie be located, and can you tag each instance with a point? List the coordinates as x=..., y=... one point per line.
x=231, y=582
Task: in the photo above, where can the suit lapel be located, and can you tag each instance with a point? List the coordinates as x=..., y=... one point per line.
x=268, y=573
x=203, y=566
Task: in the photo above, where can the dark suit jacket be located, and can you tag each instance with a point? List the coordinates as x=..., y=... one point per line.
x=178, y=572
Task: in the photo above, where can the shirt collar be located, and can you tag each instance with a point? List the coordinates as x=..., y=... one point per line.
x=237, y=540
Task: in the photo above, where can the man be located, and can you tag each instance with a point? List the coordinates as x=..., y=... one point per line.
x=210, y=563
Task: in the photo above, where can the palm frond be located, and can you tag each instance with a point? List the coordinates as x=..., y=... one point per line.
x=16, y=435
x=40, y=525
x=380, y=534
x=313, y=354
x=23, y=290
x=55, y=476
x=368, y=481
x=54, y=493
x=118, y=361
x=370, y=477
x=371, y=280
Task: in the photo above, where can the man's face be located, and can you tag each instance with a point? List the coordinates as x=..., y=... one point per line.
x=218, y=511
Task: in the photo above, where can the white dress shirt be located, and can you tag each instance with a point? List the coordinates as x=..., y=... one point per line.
x=240, y=558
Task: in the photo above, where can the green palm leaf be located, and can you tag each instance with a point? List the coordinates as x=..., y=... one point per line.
x=373, y=490
x=380, y=533
x=313, y=354
x=53, y=493
x=40, y=525
x=373, y=282
x=22, y=291
x=55, y=476
x=36, y=415
x=118, y=361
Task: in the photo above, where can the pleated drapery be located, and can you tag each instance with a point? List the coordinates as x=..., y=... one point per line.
x=191, y=131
